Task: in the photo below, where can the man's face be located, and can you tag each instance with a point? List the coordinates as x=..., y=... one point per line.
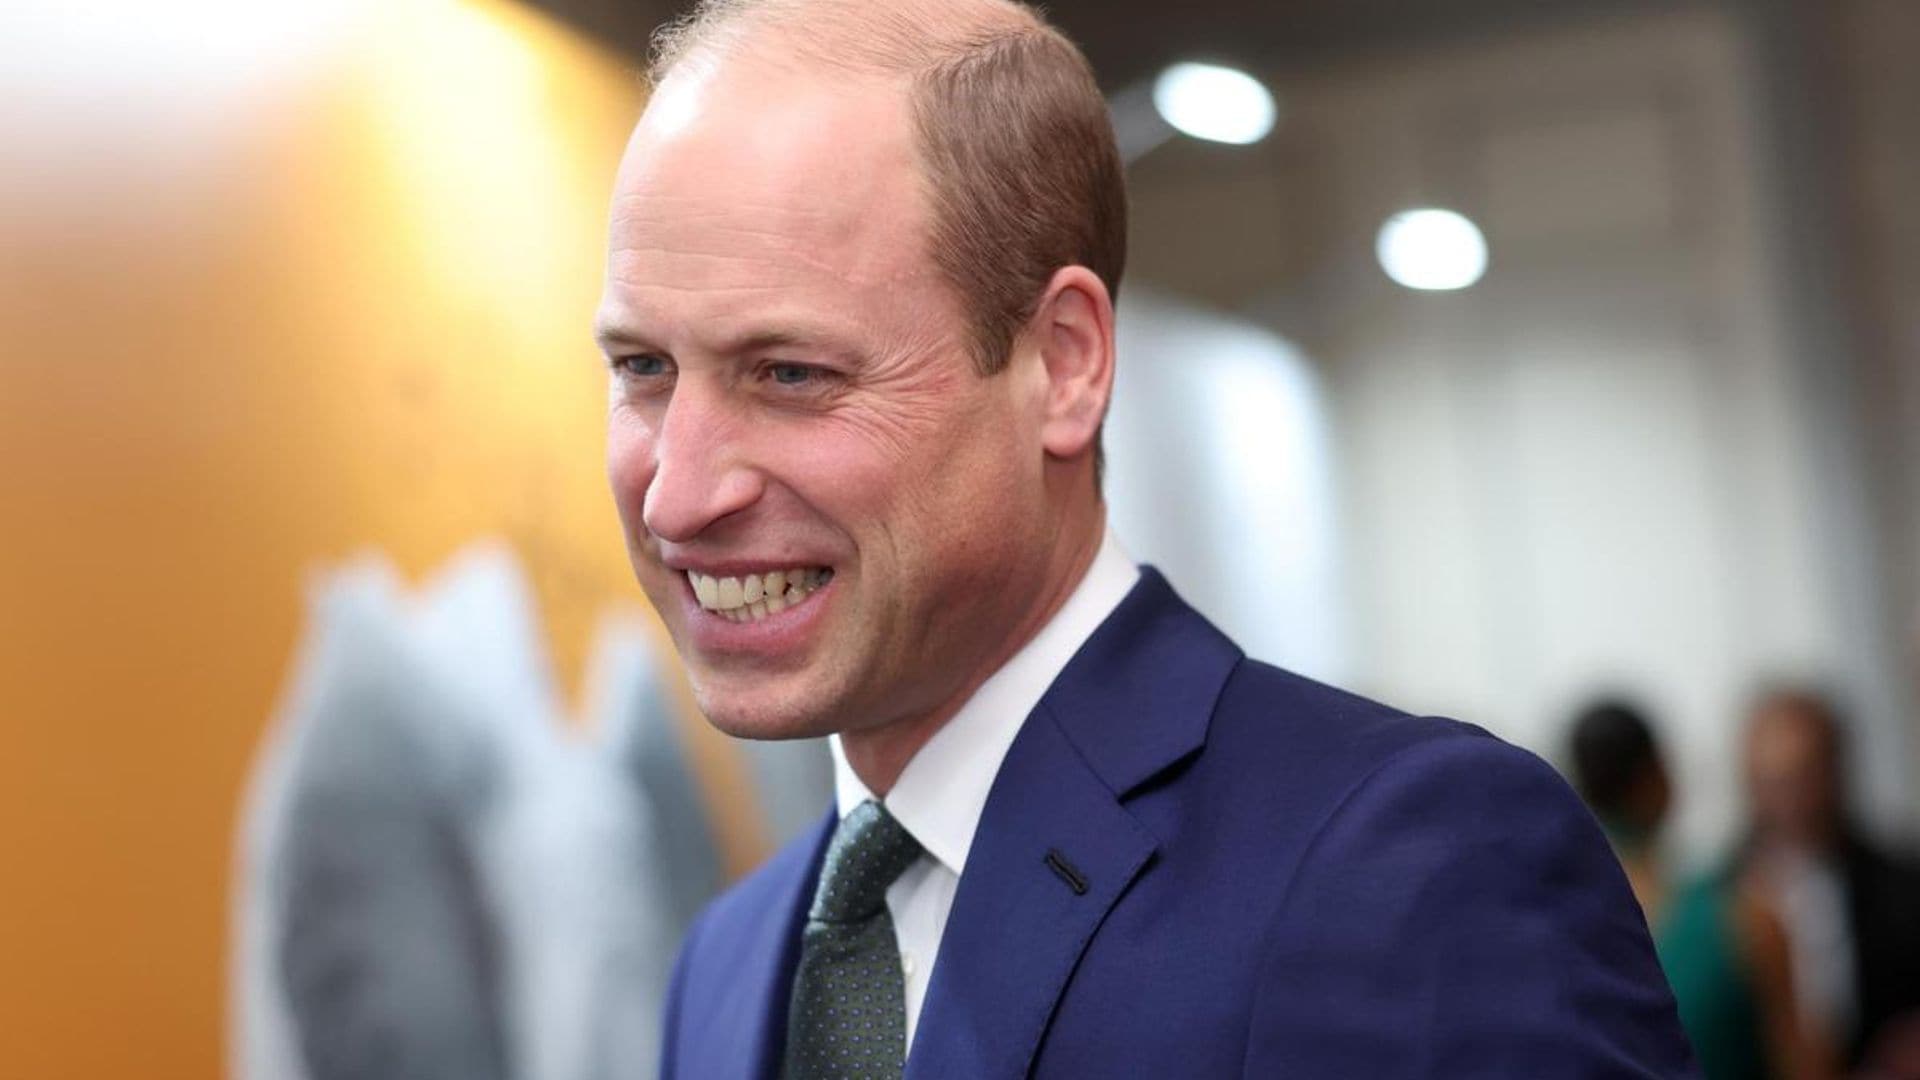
x=792, y=396
x=1792, y=776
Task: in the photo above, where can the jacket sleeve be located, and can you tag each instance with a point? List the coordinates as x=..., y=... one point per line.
x=676, y=990
x=1460, y=914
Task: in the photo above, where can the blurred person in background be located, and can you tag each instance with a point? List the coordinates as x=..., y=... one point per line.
x=1850, y=909
x=1719, y=938
x=1618, y=769
x=859, y=316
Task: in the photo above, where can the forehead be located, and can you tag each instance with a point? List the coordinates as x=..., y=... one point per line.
x=747, y=177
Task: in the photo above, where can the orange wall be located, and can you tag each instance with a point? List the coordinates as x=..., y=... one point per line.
x=254, y=318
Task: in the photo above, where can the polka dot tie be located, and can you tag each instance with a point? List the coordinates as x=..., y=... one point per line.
x=848, y=1018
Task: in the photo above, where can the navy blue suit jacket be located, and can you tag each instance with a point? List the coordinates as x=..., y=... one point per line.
x=1265, y=877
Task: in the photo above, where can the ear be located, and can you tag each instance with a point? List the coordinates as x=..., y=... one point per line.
x=1074, y=328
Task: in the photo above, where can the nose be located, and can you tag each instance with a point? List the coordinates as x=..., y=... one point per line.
x=702, y=472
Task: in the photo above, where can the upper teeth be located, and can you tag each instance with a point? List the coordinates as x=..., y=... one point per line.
x=758, y=594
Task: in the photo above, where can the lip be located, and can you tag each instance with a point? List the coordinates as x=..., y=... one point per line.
x=740, y=567
x=780, y=634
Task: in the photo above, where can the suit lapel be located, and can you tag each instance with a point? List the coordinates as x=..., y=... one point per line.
x=1056, y=848
x=1019, y=923
x=749, y=1032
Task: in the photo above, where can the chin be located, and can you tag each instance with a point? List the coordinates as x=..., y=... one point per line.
x=762, y=715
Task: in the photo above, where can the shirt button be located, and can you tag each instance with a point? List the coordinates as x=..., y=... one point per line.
x=906, y=964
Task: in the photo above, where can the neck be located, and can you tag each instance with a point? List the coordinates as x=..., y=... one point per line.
x=879, y=755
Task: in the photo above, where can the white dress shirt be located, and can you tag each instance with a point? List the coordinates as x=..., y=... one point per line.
x=943, y=790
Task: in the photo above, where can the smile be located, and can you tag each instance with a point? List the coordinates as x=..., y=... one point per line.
x=756, y=596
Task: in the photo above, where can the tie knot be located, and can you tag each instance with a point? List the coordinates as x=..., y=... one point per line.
x=868, y=851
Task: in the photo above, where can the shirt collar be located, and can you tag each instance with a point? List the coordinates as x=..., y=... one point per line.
x=943, y=790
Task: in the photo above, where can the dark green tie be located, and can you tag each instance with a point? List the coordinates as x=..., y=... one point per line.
x=848, y=1020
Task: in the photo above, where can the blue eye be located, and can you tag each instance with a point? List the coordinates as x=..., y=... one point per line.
x=790, y=374
x=641, y=366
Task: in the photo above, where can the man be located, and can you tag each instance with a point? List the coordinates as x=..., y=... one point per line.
x=859, y=314
x=1852, y=910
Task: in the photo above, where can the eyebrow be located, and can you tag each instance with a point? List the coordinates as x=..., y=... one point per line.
x=778, y=338
x=610, y=333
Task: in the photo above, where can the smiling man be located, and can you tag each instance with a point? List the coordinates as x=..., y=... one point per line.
x=859, y=316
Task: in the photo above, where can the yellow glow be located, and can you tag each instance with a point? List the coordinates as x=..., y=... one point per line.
x=327, y=305
x=454, y=87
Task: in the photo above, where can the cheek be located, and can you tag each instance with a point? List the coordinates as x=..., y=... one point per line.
x=630, y=462
x=978, y=499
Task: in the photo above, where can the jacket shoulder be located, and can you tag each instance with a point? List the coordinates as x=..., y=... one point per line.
x=1452, y=898
x=1272, y=718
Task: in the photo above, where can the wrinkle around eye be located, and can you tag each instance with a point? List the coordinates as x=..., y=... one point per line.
x=901, y=417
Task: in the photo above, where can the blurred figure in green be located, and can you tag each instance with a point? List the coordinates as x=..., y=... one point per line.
x=1720, y=940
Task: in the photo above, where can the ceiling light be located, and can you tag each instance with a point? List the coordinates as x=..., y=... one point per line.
x=1432, y=250
x=1216, y=103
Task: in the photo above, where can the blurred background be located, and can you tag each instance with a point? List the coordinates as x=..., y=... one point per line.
x=1499, y=358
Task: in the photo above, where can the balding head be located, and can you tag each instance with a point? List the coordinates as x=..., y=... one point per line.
x=1012, y=134
x=897, y=38
x=859, y=313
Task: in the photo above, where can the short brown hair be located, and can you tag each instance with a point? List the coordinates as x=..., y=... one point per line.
x=1014, y=138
